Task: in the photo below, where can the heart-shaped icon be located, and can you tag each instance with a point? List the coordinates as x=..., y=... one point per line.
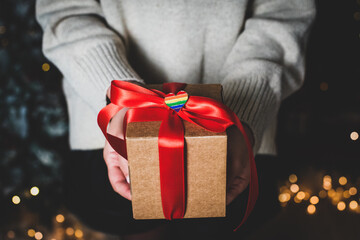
x=176, y=102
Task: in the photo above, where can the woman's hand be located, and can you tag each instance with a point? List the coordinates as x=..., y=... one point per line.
x=238, y=164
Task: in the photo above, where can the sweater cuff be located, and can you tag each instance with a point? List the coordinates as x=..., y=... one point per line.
x=103, y=63
x=254, y=102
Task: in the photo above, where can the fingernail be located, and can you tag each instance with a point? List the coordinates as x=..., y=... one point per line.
x=128, y=179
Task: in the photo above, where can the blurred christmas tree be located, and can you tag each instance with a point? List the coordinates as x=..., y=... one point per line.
x=33, y=119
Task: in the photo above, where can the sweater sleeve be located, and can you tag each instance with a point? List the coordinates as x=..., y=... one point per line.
x=266, y=63
x=87, y=52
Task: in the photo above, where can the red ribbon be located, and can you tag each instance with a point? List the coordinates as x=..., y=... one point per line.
x=148, y=105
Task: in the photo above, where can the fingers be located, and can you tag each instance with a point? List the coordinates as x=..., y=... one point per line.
x=118, y=172
x=118, y=182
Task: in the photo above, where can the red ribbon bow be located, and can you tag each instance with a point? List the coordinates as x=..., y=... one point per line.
x=148, y=105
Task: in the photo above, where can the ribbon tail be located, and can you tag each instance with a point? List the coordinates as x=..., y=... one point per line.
x=253, y=183
x=171, y=159
x=104, y=117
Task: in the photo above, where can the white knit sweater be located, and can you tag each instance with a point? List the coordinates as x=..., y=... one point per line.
x=255, y=49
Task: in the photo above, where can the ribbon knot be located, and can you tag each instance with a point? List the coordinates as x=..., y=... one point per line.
x=148, y=105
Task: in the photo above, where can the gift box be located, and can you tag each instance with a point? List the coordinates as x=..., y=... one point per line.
x=205, y=165
x=175, y=142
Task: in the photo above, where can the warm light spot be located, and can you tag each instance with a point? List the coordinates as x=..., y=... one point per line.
x=327, y=178
x=60, y=218
x=311, y=209
x=300, y=195
x=353, y=205
x=294, y=188
x=324, y=86
x=342, y=180
x=314, y=200
x=69, y=231
x=327, y=185
x=45, y=67
x=354, y=136
x=341, y=206
x=352, y=191
x=307, y=196
x=357, y=16
x=38, y=235
x=292, y=178
x=79, y=233
x=284, y=197
x=31, y=232
x=16, y=199
x=2, y=29
x=331, y=193
x=346, y=194
x=322, y=194
x=34, y=191
x=297, y=200
x=11, y=234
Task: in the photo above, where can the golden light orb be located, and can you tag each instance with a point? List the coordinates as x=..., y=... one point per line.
x=353, y=205
x=352, y=191
x=34, y=191
x=327, y=185
x=284, y=197
x=324, y=86
x=293, y=178
x=300, y=195
x=346, y=194
x=38, y=235
x=331, y=193
x=31, y=232
x=11, y=234
x=314, y=200
x=354, y=136
x=69, y=231
x=294, y=188
x=307, y=196
x=322, y=194
x=341, y=206
x=79, y=233
x=311, y=209
x=342, y=180
x=16, y=199
x=327, y=178
x=45, y=67
x=60, y=218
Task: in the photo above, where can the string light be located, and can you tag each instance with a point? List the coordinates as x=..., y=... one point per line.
x=341, y=206
x=353, y=205
x=11, y=234
x=45, y=67
x=314, y=200
x=346, y=194
x=352, y=191
x=2, y=29
x=311, y=209
x=322, y=194
x=16, y=199
x=34, y=191
x=292, y=178
x=342, y=180
x=307, y=196
x=31, y=232
x=354, y=136
x=294, y=188
x=327, y=182
x=79, y=233
x=300, y=195
x=331, y=193
x=60, y=218
x=284, y=197
x=69, y=231
x=38, y=235
x=324, y=86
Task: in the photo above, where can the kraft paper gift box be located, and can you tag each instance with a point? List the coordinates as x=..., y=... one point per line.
x=205, y=165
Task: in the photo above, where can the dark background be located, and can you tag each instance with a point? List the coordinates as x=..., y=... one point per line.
x=313, y=130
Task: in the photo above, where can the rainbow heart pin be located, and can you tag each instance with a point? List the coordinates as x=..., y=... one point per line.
x=176, y=102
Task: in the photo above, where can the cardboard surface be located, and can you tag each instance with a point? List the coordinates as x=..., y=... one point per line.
x=205, y=164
